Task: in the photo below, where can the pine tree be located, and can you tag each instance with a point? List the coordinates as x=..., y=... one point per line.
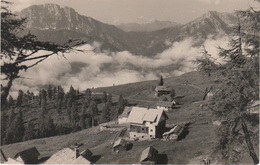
x=104, y=97
x=238, y=87
x=18, y=127
x=83, y=117
x=109, y=99
x=4, y=122
x=161, y=82
x=106, y=113
x=19, y=99
x=50, y=126
x=54, y=92
x=49, y=92
x=29, y=133
x=121, y=105
x=43, y=97
x=11, y=101
x=93, y=111
x=74, y=113
x=72, y=93
x=88, y=92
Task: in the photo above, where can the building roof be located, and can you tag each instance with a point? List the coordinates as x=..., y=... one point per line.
x=121, y=142
x=66, y=156
x=139, y=115
x=161, y=88
x=126, y=111
x=165, y=103
x=2, y=157
x=27, y=154
x=136, y=115
x=149, y=154
x=12, y=161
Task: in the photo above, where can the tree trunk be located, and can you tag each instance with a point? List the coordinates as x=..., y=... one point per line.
x=5, y=91
x=249, y=143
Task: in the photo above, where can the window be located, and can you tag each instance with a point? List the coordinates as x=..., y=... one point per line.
x=142, y=136
x=134, y=135
x=151, y=135
x=151, y=130
x=151, y=122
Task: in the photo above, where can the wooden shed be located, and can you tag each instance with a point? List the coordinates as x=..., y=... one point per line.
x=28, y=156
x=149, y=156
x=120, y=145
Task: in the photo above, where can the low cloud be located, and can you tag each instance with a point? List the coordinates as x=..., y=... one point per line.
x=210, y=1
x=92, y=69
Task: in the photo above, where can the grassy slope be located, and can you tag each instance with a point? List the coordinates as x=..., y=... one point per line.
x=198, y=141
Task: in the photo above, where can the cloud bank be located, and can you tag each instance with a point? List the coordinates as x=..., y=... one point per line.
x=93, y=69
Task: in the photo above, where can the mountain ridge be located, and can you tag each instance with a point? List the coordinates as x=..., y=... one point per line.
x=149, y=43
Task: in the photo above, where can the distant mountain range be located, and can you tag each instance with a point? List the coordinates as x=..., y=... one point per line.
x=147, y=27
x=52, y=23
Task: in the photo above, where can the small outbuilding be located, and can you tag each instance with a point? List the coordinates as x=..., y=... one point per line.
x=161, y=90
x=149, y=156
x=123, y=117
x=174, y=133
x=28, y=156
x=120, y=145
x=165, y=105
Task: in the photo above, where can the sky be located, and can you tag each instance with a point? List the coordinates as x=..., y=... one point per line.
x=142, y=11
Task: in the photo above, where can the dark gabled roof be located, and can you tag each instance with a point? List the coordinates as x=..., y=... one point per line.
x=28, y=154
x=3, y=157
x=165, y=103
x=149, y=154
x=126, y=111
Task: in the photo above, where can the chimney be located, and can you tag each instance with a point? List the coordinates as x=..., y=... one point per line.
x=77, y=151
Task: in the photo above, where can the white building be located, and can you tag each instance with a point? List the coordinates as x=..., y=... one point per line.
x=146, y=123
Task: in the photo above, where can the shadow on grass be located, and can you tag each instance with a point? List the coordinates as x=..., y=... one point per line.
x=162, y=159
x=95, y=158
x=184, y=133
x=129, y=147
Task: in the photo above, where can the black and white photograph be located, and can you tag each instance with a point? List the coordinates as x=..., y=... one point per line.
x=130, y=81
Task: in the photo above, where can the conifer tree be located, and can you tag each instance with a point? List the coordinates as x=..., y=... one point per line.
x=11, y=101
x=29, y=133
x=43, y=97
x=19, y=99
x=4, y=122
x=104, y=97
x=161, y=82
x=93, y=111
x=121, y=105
x=238, y=87
x=83, y=117
x=18, y=127
x=106, y=113
x=49, y=92
x=50, y=126
x=74, y=113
